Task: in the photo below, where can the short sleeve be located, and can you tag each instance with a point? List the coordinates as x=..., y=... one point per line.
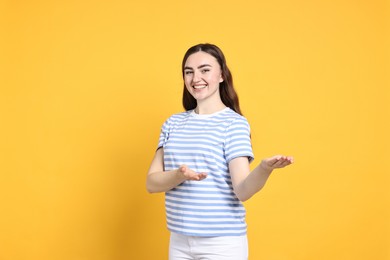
x=238, y=140
x=164, y=134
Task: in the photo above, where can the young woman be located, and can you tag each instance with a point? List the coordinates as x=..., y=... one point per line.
x=202, y=163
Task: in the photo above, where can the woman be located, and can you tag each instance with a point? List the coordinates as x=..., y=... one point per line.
x=202, y=163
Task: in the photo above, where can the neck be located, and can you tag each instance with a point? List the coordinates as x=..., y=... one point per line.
x=203, y=108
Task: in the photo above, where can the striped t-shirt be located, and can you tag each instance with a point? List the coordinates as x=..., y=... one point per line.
x=205, y=143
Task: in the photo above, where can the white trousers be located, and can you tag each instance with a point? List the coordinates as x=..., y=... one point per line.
x=208, y=248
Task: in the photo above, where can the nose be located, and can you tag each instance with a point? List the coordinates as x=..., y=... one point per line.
x=196, y=77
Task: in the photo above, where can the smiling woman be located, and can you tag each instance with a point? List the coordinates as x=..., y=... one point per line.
x=85, y=85
x=202, y=163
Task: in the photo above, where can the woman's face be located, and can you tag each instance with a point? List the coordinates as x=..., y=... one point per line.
x=202, y=75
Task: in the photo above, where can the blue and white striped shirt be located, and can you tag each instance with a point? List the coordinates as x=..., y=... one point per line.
x=205, y=143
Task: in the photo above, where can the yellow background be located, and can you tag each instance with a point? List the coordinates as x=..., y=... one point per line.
x=86, y=85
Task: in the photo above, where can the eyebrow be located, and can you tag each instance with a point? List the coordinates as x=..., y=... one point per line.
x=199, y=67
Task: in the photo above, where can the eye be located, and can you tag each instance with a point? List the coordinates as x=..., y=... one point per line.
x=188, y=72
x=205, y=70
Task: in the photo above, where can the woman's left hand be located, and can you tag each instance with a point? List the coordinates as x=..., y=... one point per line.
x=277, y=161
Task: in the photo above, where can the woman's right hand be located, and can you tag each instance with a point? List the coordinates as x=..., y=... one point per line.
x=190, y=174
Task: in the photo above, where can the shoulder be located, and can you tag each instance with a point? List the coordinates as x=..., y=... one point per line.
x=236, y=118
x=176, y=118
x=179, y=116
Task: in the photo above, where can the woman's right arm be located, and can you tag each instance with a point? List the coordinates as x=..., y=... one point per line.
x=159, y=180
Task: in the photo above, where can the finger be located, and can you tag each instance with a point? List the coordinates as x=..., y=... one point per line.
x=278, y=164
x=194, y=178
x=279, y=161
x=198, y=176
x=287, y=160
x=285, y=163
x=282, y=162
x=202, y=176
x=271, y=162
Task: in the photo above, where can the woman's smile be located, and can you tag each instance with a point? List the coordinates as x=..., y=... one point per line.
x=202, y=86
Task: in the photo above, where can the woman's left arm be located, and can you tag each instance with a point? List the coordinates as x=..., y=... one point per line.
x=246, y=183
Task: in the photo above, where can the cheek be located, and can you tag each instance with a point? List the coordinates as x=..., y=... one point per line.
x=188, y=85
x=187, y=82
x=215, y=79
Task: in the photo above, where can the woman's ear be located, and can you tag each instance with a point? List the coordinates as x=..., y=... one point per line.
x=220, y=79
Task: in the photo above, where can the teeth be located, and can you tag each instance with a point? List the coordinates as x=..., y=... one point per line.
x=200, y=86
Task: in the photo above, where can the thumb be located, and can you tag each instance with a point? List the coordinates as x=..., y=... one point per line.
x=183, y=169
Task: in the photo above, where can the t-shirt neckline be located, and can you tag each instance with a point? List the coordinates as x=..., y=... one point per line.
x=192, y=113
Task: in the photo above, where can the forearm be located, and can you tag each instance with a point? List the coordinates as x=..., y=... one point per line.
x=253, y=183
x=246, y=183
x=163, y=181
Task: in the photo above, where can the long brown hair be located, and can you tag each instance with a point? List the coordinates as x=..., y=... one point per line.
x=228, y=95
